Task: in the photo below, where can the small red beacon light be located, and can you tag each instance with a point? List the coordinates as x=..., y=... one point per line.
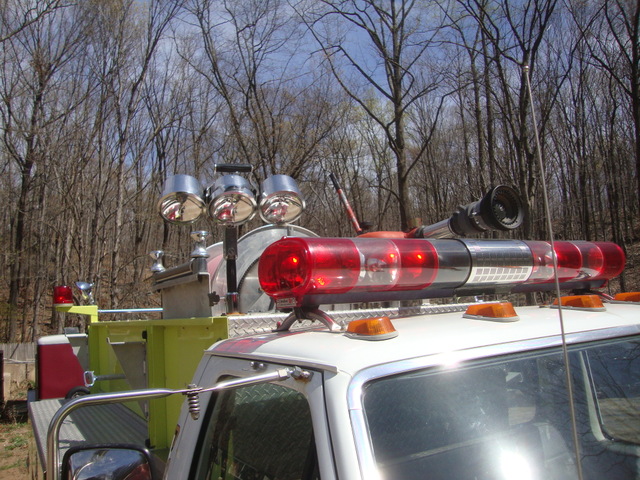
x=62, y=296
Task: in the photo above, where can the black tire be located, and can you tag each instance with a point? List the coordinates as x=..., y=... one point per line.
x=76, y=392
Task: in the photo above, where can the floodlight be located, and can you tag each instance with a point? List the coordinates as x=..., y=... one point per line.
x=181, y=200
x=231, y=201
x=86, y=291
x=280, y=200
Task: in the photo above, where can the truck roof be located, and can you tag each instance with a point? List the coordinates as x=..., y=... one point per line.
x=432, y=334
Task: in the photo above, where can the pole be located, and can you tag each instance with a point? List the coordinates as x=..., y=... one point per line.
x=345, y=203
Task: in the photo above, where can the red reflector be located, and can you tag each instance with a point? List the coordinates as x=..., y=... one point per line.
x=62, y=295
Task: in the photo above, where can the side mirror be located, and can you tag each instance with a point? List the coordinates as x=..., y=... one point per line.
x=108, y=462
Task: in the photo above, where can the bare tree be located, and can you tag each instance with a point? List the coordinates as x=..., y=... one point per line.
x=611, y=30
x=34, y=55
x=277, y=108
x=128, y=50
x=397, y=35
x=18, y=15
x=515, y=32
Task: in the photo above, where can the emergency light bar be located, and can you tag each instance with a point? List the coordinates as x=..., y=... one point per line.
x=299, y=272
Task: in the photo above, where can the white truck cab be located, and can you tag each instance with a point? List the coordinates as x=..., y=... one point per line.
x=448, y=397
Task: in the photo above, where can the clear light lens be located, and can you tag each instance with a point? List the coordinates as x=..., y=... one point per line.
x=232, y=201
x=568, y=257
x=86, y=290
x=280, y=200
x=181, y=200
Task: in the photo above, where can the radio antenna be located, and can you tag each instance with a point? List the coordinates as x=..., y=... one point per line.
x=547, y=211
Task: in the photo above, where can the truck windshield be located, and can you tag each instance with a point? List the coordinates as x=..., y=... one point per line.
x=509, y=418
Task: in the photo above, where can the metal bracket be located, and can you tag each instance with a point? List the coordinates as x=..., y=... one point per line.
x=214, y=299
x=301, y=313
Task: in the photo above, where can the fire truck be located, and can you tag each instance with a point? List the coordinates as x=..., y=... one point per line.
x=389, y=355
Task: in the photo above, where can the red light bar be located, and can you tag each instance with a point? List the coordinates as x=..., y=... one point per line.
x=313, y=271
x=577, y=261
x=605, y=261
x=294, y=267
x=568, y=257
x=62, y=295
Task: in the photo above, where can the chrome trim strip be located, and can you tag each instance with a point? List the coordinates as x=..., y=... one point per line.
x=364, y=449
x=274, y=360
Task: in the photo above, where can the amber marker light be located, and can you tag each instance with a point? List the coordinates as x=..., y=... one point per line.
x=497, y=312
x=581, y=302
x=377, y=328
x=632, y=297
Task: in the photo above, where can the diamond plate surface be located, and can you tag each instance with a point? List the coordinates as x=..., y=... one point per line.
x=109, y=423
x=240, y=325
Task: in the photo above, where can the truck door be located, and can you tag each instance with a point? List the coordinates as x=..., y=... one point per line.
x=264, y=431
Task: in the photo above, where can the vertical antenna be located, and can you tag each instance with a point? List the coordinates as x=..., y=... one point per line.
x=547, y=211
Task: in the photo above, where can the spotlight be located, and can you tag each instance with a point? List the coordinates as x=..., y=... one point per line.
x=86, y=291
x=181, y=200
x=232, y=201
x=280, y=200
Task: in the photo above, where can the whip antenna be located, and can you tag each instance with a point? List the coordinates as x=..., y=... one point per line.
x=547, y=211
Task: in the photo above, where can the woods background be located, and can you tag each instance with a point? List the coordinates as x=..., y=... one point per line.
x=417, y=106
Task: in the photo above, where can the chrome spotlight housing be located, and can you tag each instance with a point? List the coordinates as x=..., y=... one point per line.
x=181, y=200
x=157, y=256
x=231, y=201
x=86, y=289
x=280, y=200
